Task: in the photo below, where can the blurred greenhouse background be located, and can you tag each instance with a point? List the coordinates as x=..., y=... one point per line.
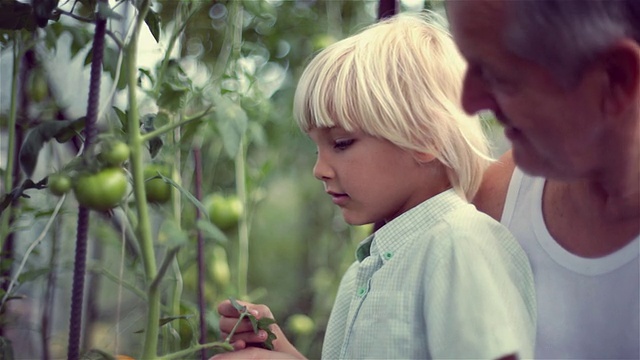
x=236, y=63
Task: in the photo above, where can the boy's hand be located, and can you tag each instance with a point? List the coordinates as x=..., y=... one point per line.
x=244, y=333
x=254, y=353
x=245, y=337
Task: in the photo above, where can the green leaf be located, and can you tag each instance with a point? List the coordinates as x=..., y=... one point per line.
x=153, y=22
x=183, y=191
x=106, y=12
x=45, y=131
x=167, y=319
x=174, y=88
x=155, y=145
x=32, y=275
x=148, y=125
x=80, y=37
x=29, y=151
x=236, y=305
x=254, y=323
x=67, y=129
x=146, y=73
x=172, y=234
x=110, y=63
x=232, y=123
x=9, y=198
x=122, y=116
x=172, y=97
x=263, y=324
x=210, y=231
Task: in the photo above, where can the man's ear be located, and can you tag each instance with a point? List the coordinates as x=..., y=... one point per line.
x=622, y=67
x=423, y=158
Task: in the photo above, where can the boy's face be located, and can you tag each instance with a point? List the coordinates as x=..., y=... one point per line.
x=371, y=179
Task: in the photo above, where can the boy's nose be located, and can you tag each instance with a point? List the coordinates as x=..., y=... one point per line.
x=321, y=170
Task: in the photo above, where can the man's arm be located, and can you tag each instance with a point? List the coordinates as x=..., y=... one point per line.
x=495, y=183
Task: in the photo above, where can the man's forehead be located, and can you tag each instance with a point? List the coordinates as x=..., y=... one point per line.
x=483, y=12
x=476, y=19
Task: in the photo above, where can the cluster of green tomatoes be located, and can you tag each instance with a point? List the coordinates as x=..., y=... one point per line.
x=104, y=187
x=101, y=184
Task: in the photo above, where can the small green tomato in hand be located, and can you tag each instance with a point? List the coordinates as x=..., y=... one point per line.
x=59, y=184
x=224, y=211
x=102, y=190
x=157, y=190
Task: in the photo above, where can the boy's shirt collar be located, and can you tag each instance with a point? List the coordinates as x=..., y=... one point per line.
x=387, y=240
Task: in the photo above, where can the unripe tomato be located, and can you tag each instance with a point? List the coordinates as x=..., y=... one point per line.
x=114, y=152
x=39, y=88
x=59, y=184
x=224, y=211
x=102, y=190
x=219, y=269
x=300, y=324
x=157, y=190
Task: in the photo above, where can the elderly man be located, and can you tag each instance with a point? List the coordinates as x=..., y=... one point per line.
x=563, y=77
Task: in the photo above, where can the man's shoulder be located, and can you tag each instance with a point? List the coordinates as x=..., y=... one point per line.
x=492, y=193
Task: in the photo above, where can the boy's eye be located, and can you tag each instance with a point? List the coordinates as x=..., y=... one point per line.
x=342, y=144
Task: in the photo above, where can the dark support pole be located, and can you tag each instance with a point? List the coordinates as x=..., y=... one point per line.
x=387, y=8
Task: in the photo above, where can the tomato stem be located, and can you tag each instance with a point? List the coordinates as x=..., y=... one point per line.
x=144, y=225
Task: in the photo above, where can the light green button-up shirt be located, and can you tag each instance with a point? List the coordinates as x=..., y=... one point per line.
x=441, y=280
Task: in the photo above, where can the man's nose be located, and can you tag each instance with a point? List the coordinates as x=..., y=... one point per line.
x=476, y=95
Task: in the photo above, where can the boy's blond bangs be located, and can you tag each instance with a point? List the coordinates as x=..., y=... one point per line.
x=400, y=80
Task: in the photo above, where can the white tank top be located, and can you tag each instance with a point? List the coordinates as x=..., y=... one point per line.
x=587, y=308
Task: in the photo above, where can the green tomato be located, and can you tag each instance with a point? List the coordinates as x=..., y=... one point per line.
x=39, y=88
x=59, y=184
x=114, y=153
x=102, y=190
x=157, y=190
x=300, y=324
x=224, y=211
x=219, y=269
x=322, y=41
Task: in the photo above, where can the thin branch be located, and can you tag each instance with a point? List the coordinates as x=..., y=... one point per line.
x=171, y=253
x=31, y=247
x=83, y=19
x=150, y=135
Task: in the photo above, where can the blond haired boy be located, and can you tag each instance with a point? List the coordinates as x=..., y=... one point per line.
x=439, y=279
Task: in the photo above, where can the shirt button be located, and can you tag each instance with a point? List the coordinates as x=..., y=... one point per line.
x=387, y=255
x=362, y=291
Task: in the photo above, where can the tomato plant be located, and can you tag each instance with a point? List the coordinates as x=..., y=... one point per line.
x=157, y=190
x=102, y=190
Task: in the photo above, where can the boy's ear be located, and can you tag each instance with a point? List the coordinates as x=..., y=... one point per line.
x=423, y=158
x=623, y=73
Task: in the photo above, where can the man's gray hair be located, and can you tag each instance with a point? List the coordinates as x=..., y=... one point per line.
x=564, y=36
